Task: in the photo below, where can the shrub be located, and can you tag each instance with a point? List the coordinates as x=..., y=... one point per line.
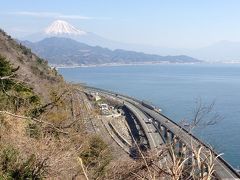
x=25, y=50
x=34, y=130
x=34, y=99
x=13, y=167
x=96, y=156
x=41, y=61
x=13, y=93
x=8, y=158
x=5, y=67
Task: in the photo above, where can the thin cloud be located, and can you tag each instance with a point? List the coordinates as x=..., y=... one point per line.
x=75, y=17
x=54, y=15
x=35, y=14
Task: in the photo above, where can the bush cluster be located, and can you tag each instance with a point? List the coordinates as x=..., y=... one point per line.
x=96, y=156
x=12, y=166
x=14, y=94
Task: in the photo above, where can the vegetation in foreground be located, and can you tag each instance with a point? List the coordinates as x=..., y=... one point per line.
x=43, y=131
x=45, y=140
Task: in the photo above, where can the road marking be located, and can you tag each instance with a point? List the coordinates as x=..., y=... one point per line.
x=134, y=109
x=175, y=127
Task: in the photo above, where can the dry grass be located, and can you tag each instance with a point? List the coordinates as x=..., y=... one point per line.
x=60, y=155
x=50, y=141
x=77, y=155
x=55, y=153
x=157, y=165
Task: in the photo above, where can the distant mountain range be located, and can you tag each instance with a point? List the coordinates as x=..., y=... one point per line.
x=66, y=51
x=63, y=44
x=61, y=28
x=223, y=51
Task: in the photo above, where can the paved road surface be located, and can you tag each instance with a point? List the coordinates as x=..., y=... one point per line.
x=222, y=168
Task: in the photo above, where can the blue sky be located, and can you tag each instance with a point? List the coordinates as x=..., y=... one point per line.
x=167, y=23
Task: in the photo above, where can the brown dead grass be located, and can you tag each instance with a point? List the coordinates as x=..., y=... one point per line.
x=60, y=154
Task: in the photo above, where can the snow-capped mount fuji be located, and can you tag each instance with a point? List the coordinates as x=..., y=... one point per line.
x=60, y=27
x=63, y=44
x=63, y=29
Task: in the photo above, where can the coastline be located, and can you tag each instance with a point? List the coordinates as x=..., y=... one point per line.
x=114, y=64
x=62, y=66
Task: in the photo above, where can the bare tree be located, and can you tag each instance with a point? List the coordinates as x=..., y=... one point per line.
x=203, y=115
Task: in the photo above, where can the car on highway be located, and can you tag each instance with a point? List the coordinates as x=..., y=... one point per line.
x=149, y=121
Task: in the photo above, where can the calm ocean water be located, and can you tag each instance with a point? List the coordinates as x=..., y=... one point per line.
x=175, y=88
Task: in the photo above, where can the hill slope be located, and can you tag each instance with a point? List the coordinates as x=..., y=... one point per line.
x=42, y=121
x=225, y=51
x=32, y=69
x=64, y=51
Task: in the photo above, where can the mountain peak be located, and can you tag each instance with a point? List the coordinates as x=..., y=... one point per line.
x=60, y=27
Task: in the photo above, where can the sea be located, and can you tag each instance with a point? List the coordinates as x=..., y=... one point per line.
x=178, y=89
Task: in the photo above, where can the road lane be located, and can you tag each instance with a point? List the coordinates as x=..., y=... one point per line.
x=222, y=169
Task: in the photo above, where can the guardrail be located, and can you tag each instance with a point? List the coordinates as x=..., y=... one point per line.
x=190, y=134
x=124, y=141
x=120, y=143
x=202, y=143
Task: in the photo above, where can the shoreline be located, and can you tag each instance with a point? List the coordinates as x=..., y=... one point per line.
x=114, y=65
x=134, y=64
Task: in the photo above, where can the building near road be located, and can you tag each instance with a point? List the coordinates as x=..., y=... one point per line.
x=105, y=110
x=94, y=96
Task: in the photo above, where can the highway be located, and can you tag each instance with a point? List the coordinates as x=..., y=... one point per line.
x=222, y=169
x=153, y=136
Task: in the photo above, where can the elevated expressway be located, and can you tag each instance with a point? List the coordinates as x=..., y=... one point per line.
x=169, y=131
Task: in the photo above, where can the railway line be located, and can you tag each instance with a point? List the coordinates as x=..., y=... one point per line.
x=223, y=170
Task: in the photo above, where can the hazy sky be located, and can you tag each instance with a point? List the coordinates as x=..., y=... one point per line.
x=168, y=23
